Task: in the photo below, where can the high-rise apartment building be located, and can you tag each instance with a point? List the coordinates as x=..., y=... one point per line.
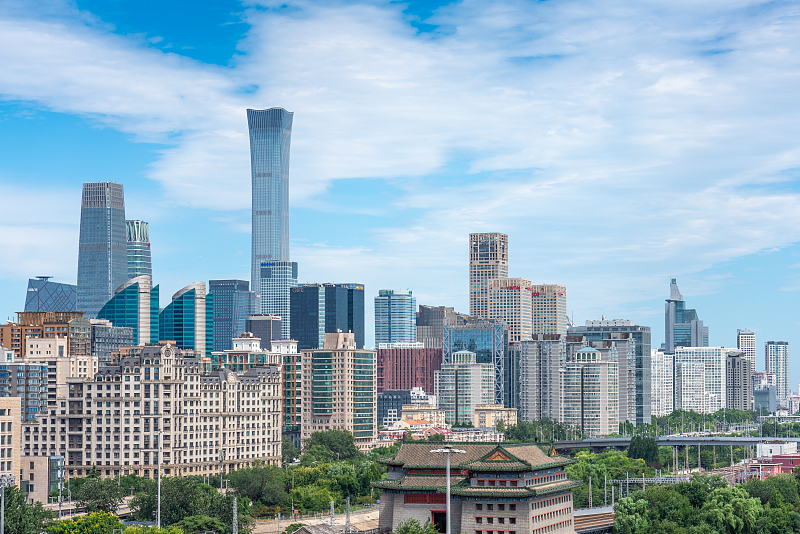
x=431, y=321
x=44, y=295
x=462, y=384
x=395, y=316
x=139, y=260
x=489, y=341
x=404, y=366
x=590, y=393
x=10, y=437
x=135, y=305
x=776, y=360
x=273, y=274
x=339, y=389
x=549, y=309
x=683, y=328
x=621, y=349
x=103, y=248
x=46, y=325
x=739, y=389
x=189, y=319
x=233, y=303
x=488, y=260
x=746, y=342
x=319, y=309
x=246, y=353
x=661, y=386
x=700, y=374
x=510, y=300
x=635, y=377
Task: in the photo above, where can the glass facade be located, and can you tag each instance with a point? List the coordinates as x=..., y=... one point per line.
x=233, y=303
x=138, y=238
x=189, y=319
x=270, y=138
x=683, y=327
x=395, y=316
x=317, y=309
x=44, y=295
x=108, y=339
x=135, y=305
x=489, y=342
x=102, y=249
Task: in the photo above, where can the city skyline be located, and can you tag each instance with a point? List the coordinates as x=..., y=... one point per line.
x=737, y=269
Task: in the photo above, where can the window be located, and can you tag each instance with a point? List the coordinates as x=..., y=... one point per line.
x=480, y=483
x=477, y=506
x=512, y=507
x=479, y=520
x=512, y=520
x=501, y=506
x=490, y=520
x=490, y=507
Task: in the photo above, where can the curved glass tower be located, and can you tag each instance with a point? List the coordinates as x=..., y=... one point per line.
x=139, y=262
x=135, y=304
x=273, y=274
x=102, y=249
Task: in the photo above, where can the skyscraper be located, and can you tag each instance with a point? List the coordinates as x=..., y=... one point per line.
x=138, y=236
x=683, y=328
x=489, y=341
x=430, y=324
x=510, y=301
x=589, y=396
x=746, y=342
x=135, y=305
x=320, y=309
x=739, y=389
x=549, y=303
x=776, y=360
x=700, y=375
x=102, y=248
x=488, y=259
x=273, y=274
x=233, y=303
x=44, y=295
x=395, y=316
x=189, y=319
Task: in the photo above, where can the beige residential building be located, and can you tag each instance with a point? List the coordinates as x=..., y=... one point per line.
x=427, y=412
x=488, y=260
x=549, y=309
x=510, y=300
x=590, y=393
x=339, y=390
x=488, y=415
x=10, y=432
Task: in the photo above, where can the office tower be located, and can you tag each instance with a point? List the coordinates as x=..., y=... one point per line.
x=406, y=366
x=746, y=342
x=549, y=309
x=700, y=374
x=462, y=384
x=339, y=389
x=739, y=389
x=635, y=392
x=776, y=360
x=395, y=316
x=44, y=295
x=135, y=304
x=430, y=324
x=390, y=405
x=264, y=326
x=108, y=338
x=233, y=303
x=189, y=319
x=541, y=361
x=510, y=300
x=661, y=385
x=139, y=261
x=489, y=341
x=320, y=309
x=102, y=249
x=273, y=274
x=683, y=327
x=590, y=393
x=488, y=259
x=164, y=374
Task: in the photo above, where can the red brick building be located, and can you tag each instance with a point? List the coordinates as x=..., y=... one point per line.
x=406, y=368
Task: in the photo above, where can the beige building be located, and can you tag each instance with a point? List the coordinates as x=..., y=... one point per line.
x=427, y=412
x=549, y=309
x=339, y=390
x=488, y=260
x=510, y=300
x=590, y=393
x=488, y=415
x=10, y=432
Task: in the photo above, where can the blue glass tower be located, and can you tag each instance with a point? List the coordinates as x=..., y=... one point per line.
x=395, y=316
x=189, y=319
x=138, y=237
x=273, y=274
x=135, y=305
x=683, y=328
x=318, y=309
x=233, y=303
x=44, y=295
x=103, y=248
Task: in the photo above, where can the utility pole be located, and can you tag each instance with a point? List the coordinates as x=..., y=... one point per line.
x=590, y=492
x=235, y=523
x=333, y=518
x=347, y=523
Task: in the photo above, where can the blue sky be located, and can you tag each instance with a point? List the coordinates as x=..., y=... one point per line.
x=617, y=144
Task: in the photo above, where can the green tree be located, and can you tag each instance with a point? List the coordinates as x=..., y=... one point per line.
x=644, y=448
x=339, y=442
x=99, y=494
x=288, y=451
x=21, y=517
x=314, y=498
x=412, y=526
x=732, y=511
x=261, y=484
x=630, y=516
x=94, y=523
x=292, y=528
x=153, y=530
x=198, y=524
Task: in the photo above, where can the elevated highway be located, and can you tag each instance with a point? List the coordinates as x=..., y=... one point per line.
x=671, y=441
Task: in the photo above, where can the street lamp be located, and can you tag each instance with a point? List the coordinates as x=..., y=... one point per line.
x=447, y=449
x=6, y=481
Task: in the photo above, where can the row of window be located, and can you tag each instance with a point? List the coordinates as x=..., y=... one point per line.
x=553, y=528
x=495, y=532
x=551, y=515
x=500, y=520
x=551, y=502
x=500, y=507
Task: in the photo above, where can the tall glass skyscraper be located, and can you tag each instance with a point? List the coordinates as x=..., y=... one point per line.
x=318, y=309
x=683, y=328
x=102, y=249
x=273, y=274
x=395, y=316
x=135, y=305
x=233, y=303
x=189, y=319
x=138, y=236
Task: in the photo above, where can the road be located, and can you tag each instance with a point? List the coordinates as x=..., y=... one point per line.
x=275, y=527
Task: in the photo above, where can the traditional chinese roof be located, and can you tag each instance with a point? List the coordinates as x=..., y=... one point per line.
x=478, y=457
